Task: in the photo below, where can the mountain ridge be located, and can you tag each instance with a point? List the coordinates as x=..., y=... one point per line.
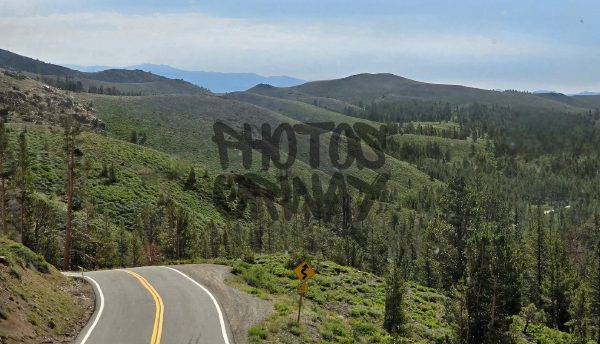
x=367, y=88
x=219, y=82
x=127, y=81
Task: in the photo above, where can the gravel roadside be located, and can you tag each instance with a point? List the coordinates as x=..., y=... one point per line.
x=243, y=310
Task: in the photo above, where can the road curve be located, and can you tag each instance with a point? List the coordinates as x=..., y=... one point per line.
x=152, y=305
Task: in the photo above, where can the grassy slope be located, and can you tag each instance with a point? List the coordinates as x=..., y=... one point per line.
x=343, y=305
x=458, y=148
x=143, y=174
x=177, y=124
x=35, y=302
x=182, y=125
x=401, y=172
x=294, y=94
x=295, y=109
x=157, y=87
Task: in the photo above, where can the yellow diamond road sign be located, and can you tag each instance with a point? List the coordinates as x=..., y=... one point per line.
x=304, y=271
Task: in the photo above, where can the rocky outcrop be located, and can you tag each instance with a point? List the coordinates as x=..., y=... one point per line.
x=26, y=100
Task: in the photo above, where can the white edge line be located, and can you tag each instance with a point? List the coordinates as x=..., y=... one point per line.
x=87, y=335
x=214, y=300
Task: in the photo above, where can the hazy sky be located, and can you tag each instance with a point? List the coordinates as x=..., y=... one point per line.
x=528, y=45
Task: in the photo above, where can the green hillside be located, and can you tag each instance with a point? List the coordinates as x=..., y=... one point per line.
x=294, y=109
x=345, y=305
x=143, y=178
x=297, y=111
x=182, y=125
x=295, y=94
x=177, y=124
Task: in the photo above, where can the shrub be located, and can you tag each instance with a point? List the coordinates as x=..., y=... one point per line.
x=258, y=333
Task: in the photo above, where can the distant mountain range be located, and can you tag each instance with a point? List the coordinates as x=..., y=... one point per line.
x=337, y=94
x=214, y=81
x=584, y=93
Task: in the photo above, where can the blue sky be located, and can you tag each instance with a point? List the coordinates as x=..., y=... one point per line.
x=527, y=45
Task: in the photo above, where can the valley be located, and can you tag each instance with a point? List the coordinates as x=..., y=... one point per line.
x=425, y=214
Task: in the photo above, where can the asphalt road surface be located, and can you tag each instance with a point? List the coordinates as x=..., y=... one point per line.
x=152, y=305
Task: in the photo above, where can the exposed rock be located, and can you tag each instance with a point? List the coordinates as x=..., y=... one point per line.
x=42, y=104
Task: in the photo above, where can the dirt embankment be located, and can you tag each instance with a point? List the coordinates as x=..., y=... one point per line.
x=243, y=310
x=37, y=303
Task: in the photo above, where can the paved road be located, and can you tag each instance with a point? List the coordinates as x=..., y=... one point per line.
x=152, y=305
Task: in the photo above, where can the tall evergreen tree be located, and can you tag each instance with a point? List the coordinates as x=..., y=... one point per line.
x=557, y=283
x=595, y=290
x=394, y=317
x=540, y=239
x=71, y=130
x=190, y=182
x=6, y=170
x=457, y=207
x=134, y=137
x=112, y=174
x=23, y=184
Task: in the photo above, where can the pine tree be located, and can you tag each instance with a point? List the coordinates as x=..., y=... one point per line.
x=104, y=171
x=112, y=174
x=539, y=257
x=394, y=318
x=123, y=247
x=71, y=130
x=23, y=184
x=6, y=170
x=137, y=250
x=457, y=311
x=580, y=315
x=557, y=283
x=134, y=137
x=492, y=288
x=190, y=183
x=595, y=290
x=213, y=239
x=182, y=233
x=457, y=207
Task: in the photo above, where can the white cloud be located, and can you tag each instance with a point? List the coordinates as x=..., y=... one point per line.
x=308, y=49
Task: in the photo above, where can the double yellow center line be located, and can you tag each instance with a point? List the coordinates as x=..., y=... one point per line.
x=160, y=307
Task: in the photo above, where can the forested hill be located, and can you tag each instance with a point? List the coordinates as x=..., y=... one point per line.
x=112, y=81
x=14, y=61
x=367, y=88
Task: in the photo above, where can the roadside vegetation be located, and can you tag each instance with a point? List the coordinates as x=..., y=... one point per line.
x=346, y=305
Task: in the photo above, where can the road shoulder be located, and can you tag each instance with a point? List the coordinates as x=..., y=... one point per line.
x=242, y=310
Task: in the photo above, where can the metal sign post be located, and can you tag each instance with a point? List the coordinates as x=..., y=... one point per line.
x=303, y=272
x=299, y=307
